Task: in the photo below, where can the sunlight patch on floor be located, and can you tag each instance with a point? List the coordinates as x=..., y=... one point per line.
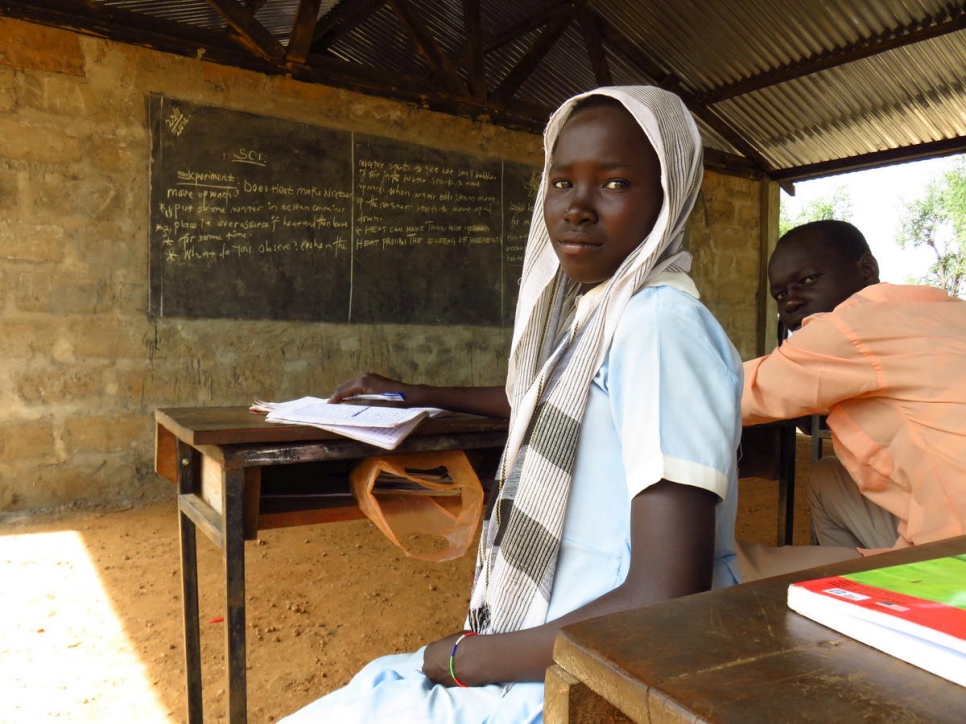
x=52, y=656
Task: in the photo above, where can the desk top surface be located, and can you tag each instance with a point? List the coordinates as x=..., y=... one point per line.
x=740, y=654
x=238, y=426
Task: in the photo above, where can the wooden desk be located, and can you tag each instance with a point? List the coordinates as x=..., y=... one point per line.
x=217, y=455
x=741, y=655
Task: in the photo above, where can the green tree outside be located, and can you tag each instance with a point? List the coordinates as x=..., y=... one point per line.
x=937, y=221
x=837, y=206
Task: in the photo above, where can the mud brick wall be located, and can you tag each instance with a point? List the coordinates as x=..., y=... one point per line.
x=82, y=363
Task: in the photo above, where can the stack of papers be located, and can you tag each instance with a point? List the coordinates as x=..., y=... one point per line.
x=383, y=427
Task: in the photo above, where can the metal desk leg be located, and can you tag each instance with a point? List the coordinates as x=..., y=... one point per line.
x=233, y=556
x=188, y=482
x=786, y=484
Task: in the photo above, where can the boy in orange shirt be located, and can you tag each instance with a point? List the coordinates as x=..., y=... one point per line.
x=889, y=365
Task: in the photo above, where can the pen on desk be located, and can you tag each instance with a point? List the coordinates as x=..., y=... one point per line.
x=389, y=396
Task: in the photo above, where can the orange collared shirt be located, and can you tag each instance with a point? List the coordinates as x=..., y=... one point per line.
x=889, y=365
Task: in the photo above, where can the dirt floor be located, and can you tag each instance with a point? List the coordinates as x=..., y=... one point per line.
x=92, y=621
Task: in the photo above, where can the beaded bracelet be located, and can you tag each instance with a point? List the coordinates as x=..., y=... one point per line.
x=452, y=657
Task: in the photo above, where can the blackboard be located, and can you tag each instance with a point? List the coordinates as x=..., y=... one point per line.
x=254, y=217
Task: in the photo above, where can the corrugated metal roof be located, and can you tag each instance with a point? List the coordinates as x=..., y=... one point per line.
x=714, y=44
x=193, y=12
x=380, y=40
x=907, y=96
x=792, y=88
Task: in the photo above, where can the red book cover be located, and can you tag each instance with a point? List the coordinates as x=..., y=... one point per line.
x=915, y=611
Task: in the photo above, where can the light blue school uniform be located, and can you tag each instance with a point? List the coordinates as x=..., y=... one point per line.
x=666, y=403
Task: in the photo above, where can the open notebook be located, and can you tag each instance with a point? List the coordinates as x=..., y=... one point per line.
x=383, y=427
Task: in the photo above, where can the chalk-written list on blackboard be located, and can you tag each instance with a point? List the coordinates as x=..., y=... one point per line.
x=206, y=216
x=428, y=235
x=261, y=218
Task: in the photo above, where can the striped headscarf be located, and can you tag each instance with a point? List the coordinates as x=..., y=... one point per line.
x=548, y=384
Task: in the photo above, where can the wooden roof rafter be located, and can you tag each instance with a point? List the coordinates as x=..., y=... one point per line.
x=473, y=40
x=527, y=25
x=590, y=30
x=251, y=33
x=731, y=164
x=817, y=63
x=303, y=30
x=377, y=81
x=875, y=159
x=90, y=18
x=439, y=62
x=538, y=49
x=342, y=19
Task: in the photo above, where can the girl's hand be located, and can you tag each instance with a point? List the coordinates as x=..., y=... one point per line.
x=436, y=660
x=487, y=401
x=370, y=384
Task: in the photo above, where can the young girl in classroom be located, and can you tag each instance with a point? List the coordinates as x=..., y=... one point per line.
x=617, y=486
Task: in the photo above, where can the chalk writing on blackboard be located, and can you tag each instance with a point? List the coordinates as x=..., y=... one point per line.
x=176, y=121
x=428, y=235
x=261, y=218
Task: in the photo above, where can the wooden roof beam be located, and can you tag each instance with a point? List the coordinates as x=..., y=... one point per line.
x=731, y=164
x=125, y=26
x=252, y=34
x=473, y=30
x=303, y=30
x=524, y=26
x=439, y=62
x=340, y=20
x=400, y=87
x=595, y=49
x=253, y=6
x=876, y=159
x=537, y=51
x=816, y=63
